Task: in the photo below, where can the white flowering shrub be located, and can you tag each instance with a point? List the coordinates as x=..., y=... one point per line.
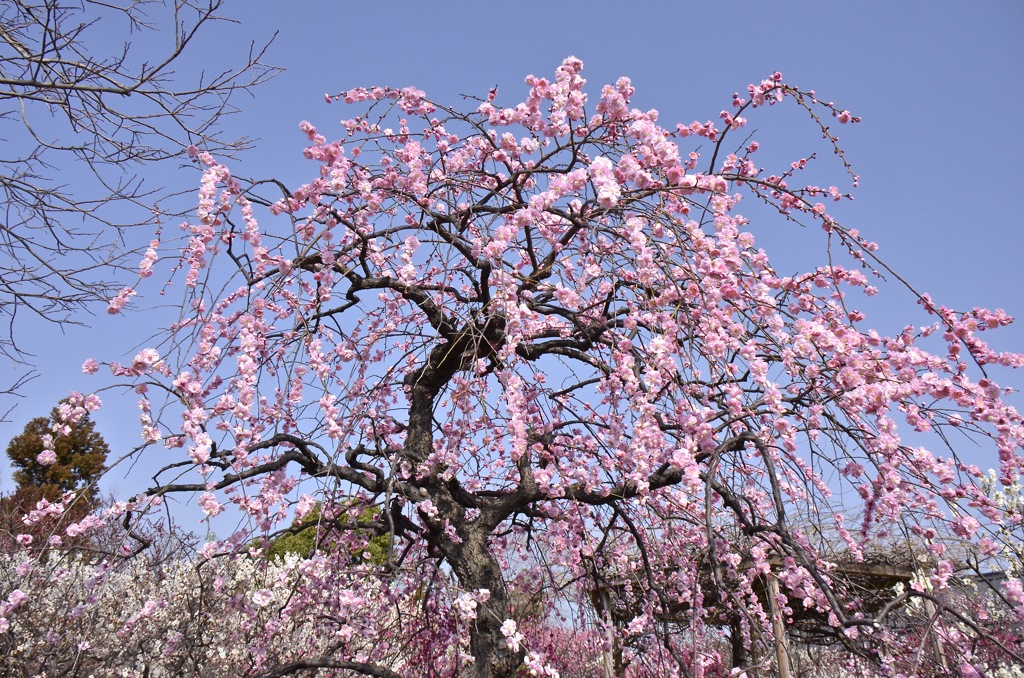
x=65, y=616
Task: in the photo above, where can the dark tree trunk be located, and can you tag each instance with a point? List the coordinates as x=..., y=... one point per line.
x=471, y=559
x=739, y=646
x=477, y=569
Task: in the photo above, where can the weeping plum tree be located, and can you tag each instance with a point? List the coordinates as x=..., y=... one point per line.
x=541, y=344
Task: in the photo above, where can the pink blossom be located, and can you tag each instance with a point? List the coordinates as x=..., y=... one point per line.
x=988, y=547
x=305, y=506
x=512, y=635
x=118, y=302
x=608, y=190
x=209, y=504
x=145, y=359
x=148, y=260
x=15, y=599
x=209, y=550
x=263, y=597
x=966, y=526
x=151, y=434
x=535, y=665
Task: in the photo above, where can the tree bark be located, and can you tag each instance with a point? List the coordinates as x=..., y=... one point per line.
x=477, y=569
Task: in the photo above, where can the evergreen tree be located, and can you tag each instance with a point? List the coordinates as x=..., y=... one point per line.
x=80, y=458
x=312, y=532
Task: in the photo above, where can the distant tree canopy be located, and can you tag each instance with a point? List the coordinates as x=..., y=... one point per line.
x=313, y=531
x=81, y=457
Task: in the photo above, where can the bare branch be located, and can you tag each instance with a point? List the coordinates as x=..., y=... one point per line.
x=71, y=99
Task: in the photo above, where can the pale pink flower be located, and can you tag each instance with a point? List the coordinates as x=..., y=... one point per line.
x=966, y=526
x=118, y=302
x=608, y=189
x=145, y=359
x=305, y=506
x=146, y=265
x=466, y=606
x=263, y=597
x=209, y=504
x=16, y=599
x=512, y=635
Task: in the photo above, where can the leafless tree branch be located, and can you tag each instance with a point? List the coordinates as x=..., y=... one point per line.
x=91, y=94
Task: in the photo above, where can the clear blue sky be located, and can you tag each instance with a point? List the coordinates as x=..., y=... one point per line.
x=939, y=85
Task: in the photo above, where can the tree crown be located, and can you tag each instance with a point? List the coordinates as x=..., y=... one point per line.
x=60, y=453
x=543, y=336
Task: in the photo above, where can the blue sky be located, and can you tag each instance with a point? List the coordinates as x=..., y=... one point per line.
x=939, y=87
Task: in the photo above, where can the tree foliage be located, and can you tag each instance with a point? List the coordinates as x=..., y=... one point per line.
x=58, y=461
x=59, y=454
x=544, y=338
x=315, y=532
x=76, y=101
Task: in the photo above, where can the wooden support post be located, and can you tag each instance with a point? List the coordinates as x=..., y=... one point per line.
x=933, y=620
x=778, y=628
